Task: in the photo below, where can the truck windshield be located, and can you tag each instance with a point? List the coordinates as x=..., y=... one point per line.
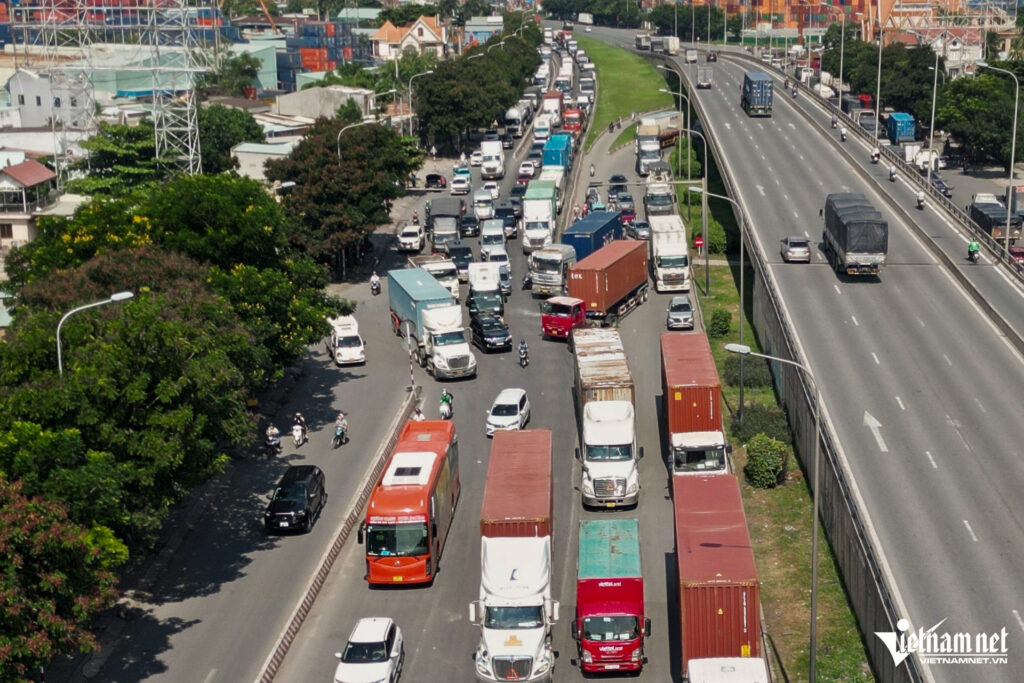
x=388, y=540
x=506, y=618
x=492, y=238
x=556, y=310
x=545, y=265
x=610, y=453
x=699, y=460
x=449, y=338
x=604, y=629
x=650, y=154
x=444, y=273
x=659, y=200
x=537, y=225
x=680, y=261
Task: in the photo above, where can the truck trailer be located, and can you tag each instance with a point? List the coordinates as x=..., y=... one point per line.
x=540, y=210
x=756, y=98
x=612, y=281
x=594, y=231
x=610, y=625
x=856, y=236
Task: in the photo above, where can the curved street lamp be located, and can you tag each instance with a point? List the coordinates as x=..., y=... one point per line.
x=411, y=79
x=117, y=296
x=351, y=125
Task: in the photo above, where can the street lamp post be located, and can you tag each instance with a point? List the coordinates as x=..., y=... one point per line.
x=842, y=50
x=1013, y=151
x=744, y=350
x=704, y=211
x=117, y=296
x=411, y=79
x=931, y=135
x=878, y=82
x=351, y=125
x=743, y=294
x=681, y=95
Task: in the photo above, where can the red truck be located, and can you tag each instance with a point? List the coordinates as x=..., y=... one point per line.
x=610, y=626
x=612, y=281
x=559, y=315
x=719, y=591
x=572, y=121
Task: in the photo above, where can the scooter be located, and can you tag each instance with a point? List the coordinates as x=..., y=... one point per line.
x=375, y=287
x=835, y=122
x=527, y=281
x=339, y=436
x=842, y=136
x=298, y=435
x=524, y=357
x=920, y=203
x=272, y=445
x=874, y=157
x=794, y=93
x=415, y=218
x=892, y=175
x=447, y=410
x=973, y=256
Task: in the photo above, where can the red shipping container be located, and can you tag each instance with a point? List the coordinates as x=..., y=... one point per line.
x=719, y=592
x=691, y=390
x=609, y=275
x=346, y=52
x=330, y=29
x=518, y=492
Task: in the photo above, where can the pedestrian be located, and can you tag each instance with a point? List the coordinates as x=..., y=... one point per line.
x=433, y=152
x=462, y=159
x=632, y=117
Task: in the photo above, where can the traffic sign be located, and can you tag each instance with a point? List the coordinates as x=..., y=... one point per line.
x=698, y=242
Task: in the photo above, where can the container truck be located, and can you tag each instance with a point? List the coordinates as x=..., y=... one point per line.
x=691, y=397
x=556, y=175
x=648, y=147
x=719, y=590
x=756, y=98
x=728, y=670
x=445, y=221
x=515, y=610
x=595, y=230
x=670, y=45
x=584, y=18
x=572, y=119
x=990, y=215
x=612, y=281
x=856, y=236
x=515, y=121
x=552, y=105
x=901, y=127
x=605, y=399
x=549, y=267
x=425, y=312
x=493, y=165
x=704, y=77
x=558, y=151
x=670, y=260
x=540, y=208
x=642, y=41
x=442, y=268
x=610, y=625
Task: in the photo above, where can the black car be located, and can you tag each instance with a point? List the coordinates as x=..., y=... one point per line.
x=470, y=226
x=712, y=56
x=489, y=333
x=506, y=211
x=518, y=192
x=506, y=141
x=461, y=255
x=617, y=184
x=939, y=184
x=298, y=499
x=436, y=180
x=485, y=302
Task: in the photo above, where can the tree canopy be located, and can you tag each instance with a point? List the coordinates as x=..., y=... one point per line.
x=220, y=129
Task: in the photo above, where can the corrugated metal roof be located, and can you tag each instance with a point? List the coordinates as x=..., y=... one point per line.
x=29, y=173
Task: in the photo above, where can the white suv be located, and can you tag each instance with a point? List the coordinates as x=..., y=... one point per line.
x=411, y=238
x=375, y=651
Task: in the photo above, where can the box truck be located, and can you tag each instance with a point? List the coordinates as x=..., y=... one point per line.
x=856, y=236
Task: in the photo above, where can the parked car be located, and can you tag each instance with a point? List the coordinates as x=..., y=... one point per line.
x=461, y=185
x=375, y=651
x=297, y=500
x=436, y=181
x=510, y=410
x=940, y=185
x=489, y=333
x=470, y=226
x=796, y=249
x=679, y=315
x=411, y=238
x=638, y=230
x=476, y=158
x=485, y=302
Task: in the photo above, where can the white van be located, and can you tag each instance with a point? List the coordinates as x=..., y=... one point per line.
x=345, y=345
x=483, y=205
x=542, y=127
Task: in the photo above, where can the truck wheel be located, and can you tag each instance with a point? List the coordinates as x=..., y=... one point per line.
x=643, y=297
x=429, y=365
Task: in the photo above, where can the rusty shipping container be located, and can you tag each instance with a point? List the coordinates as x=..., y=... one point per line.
x=609, y=276
x=691, y=390
x=719, y=592
x=518, y=492
x=602, y=371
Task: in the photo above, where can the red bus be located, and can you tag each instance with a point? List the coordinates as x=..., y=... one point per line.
x=410, y=510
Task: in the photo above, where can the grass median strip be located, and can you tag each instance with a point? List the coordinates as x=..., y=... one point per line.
x=626, y=84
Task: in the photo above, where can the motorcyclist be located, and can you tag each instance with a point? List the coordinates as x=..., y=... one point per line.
x=835, y=120
x=301, y=421
x=524, y=350
x=875, y=154
x=415, y=217
x=446, y=397
x=341, y=421
x=842, y=133
x=920, y=199
x=785, y=84
x=591, y=170
x=375, y=281
x=973, y=248
x=273, y=434
x=418, y=416
x=892, y=172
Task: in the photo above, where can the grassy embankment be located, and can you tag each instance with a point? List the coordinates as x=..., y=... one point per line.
x=779, y=519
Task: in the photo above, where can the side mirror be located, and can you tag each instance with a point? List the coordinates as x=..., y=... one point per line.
x=337, y=655
x=640, y=455
x=475, y=612
x=647, y=627
x=574, y=630
x=553, y=608
x=728, y=448
x=359, y=536
x=578, y=454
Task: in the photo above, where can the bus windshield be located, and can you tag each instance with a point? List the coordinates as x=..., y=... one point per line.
x=389, y=540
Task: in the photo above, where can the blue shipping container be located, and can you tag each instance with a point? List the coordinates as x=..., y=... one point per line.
x=593, y=232
x=757, y=94
x=901, y=128
x=412, y=291
x=557, y=151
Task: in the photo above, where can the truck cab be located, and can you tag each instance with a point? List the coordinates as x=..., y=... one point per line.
x=670, y=261
x=346, y=346
x=659, y=200
x=559, y=315
x=609, y=455
x=549, y=268
x=446, y=347
x=442, y=268
x=698, y=452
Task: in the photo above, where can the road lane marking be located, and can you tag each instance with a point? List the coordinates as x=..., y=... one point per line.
x=970, y=531
x=796, y=215
x=786, y=197
x=760, y=188
x=931, y=460
x=807, y=234
x=921, y=322
x=900, y=402
x=980, y=405
x=874, y=425
x=792, y=125
x=837, y=290
x=948, y=361
x=877, y=362
x=1020, y=622
x=210, y=676
x=854, y=319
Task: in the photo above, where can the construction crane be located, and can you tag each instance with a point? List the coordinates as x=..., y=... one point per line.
x=266, y=13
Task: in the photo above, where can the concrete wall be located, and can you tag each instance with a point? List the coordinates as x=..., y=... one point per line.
x=316, y=102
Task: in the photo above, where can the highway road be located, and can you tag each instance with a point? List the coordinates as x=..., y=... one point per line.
x=941, y=475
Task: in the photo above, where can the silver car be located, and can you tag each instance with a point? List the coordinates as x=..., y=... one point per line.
x=680, y=314
x=796, y=249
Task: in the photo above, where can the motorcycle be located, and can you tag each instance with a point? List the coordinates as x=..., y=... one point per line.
x=794, y=93
x=973, y=256
x=835, y=122
x=527, y=281
x=339, y=436
x=874, y=157
x=842, y=136
x=892, y=175
x=298, y=435
x=447, y=410
x=415, y=218
x=524, y=357
x=920, y=203
x=375, y=287
x=272, y=444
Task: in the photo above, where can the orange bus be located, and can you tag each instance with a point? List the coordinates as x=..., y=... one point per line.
x=411, y=508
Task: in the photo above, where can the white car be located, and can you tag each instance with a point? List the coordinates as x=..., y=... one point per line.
x=527, y=168
x=345, y=344
x=498, y=254
x=461, y=185
x=511, y=410
x=375, y=652
x=476, y=158
x=492, y=187
x=411, y=238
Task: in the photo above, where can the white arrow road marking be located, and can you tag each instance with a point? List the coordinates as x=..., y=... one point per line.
x=760, y=188
x=792, y=125
x=874, y=425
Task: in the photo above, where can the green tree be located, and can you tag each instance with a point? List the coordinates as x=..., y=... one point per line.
x=236, y=73
x=978, y=112
x=55, y=578
x=220, y=129
x=119, y=159
x=402, y=15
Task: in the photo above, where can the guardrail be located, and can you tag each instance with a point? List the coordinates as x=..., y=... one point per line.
x=865, y=574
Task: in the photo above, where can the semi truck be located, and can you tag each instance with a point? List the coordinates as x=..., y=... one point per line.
x=728, y=670
x=558, y=151
x=515, y=611
x=610, y=625
x=901, y=127
x=595, y=230
x=552, y=106
x=659, y=199
x=605, y=400
x=691, y=396
x=670, y=45
x=718, y=585
x=572, y=119
x=442, y=268
x=612, y=281
x=757, y=95
x=540, y=208
x=425, y=312
x=445, y=221
x=990, y=215
x=642, y=41
x=704, y=77
x=493, y=164
x=648, y=147
x=549, y=268
x=670, y=260
x=856, y=236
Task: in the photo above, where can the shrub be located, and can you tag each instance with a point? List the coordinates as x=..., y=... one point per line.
x=721, y=323
x=767, y=459
x=715, y=240
x=761, y=419
x=756, y=372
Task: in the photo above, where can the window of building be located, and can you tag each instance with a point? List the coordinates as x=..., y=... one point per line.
x=6, y=231
x=74, y=101
x=419, y=32
x=56, y=103
x=21, y=100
